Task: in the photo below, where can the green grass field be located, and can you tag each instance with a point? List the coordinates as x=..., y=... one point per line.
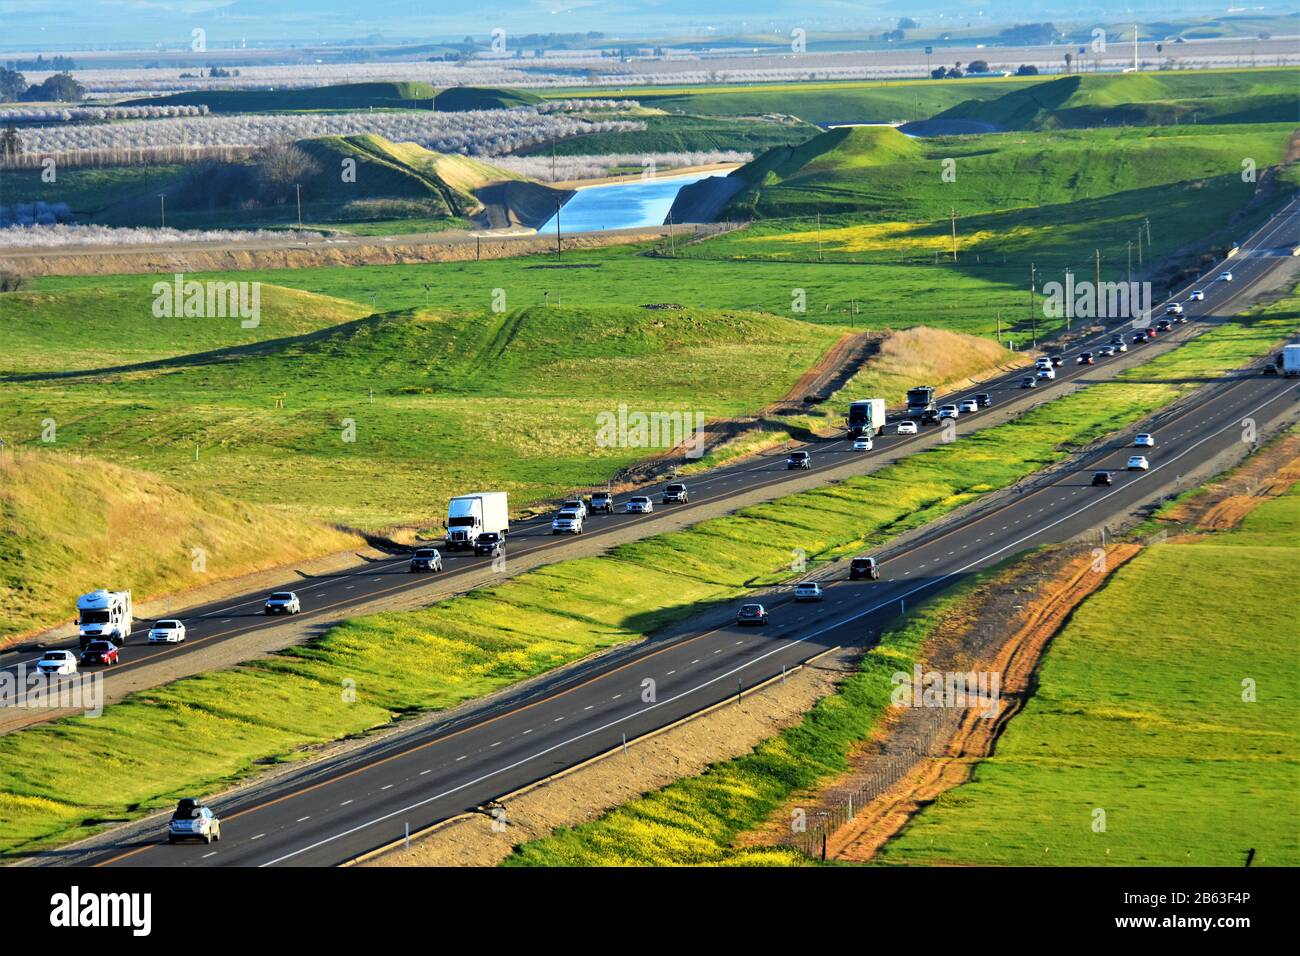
x=341, y=96
x=199, y=733
x=1146, y=99
x=1142, y=713
x=878, y=170
x=440, y=403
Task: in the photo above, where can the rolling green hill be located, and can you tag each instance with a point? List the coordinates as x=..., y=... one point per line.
x=343, y=96
x=878, y=170
x=439, y=402
x=458, y=99
x=1141, y=99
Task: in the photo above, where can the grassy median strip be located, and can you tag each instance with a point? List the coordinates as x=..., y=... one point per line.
x=202, y=733
x=1179, y=724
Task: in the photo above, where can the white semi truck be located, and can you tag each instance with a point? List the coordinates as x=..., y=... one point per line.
x=866, y=417
x=104, y=616
x=469, y=516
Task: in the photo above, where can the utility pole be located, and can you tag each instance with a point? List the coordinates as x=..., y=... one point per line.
x=953, y=210
x=162, y=205
x=1129, y=248
x=298, y=189
x=999, y=327
x=672, y=245
x=1139, y=247
x=1033, y=314
x=1096, y=281
x=1147, y=222
x=557, y=230
x=1069, y=297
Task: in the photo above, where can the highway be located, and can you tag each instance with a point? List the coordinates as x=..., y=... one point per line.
x=330, y=812
x=330, y=596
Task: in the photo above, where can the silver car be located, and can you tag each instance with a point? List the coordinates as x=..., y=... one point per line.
x=193, y=821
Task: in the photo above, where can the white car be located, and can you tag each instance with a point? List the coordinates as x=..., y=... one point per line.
x=948, y=411
x=1174, y=308
x=57, y=663
x=575, y=504
x=170, y=631
x=1138, y=463
x=969, y=405
x=862, y=443
x=640, y=505
x=1046, y=374
x=1145, y=440
x=568, y=521
x=193, y=821
x=1196, y=295
x=1225, y=276
x=283, y=602
x=808, y=591
x=907, y=428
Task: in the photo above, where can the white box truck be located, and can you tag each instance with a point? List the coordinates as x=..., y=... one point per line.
x=866, y=417
x=1291, y=359
x=104, y=615
x=469, y=516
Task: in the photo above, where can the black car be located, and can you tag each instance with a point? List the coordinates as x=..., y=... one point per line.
x=930, y=416
x=675, y=492
x=984, y=399
x=1139, y=338
x=1028, y=382
x=751, y=614
x=799, y=459
x=1102, y=478
x=1085, y=358
x=1270, y=368
x=864, y=567
x=489, y=542
x=1164, y=325
x=601, y=501
x=426, y=559
x=1057, y=361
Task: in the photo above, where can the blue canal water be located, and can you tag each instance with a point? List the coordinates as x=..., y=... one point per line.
x=622, y=205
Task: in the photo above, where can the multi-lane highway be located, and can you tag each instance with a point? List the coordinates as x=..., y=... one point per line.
x=330, y=812
x=332, y=595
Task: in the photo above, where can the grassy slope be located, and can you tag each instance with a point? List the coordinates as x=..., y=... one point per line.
x=95, y=328
x=697, y=819
x=508, y=401
x=342, y=96
x=824, y=102
x=879, y=171
x=1146, y=99
x=194, y=734
x=460, y=98
x=1148, y=722
x=74, y=524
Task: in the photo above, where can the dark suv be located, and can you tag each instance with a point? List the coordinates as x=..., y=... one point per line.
x=489, y=542
x=1102, y=478
x=864, y=567
x=675, y=492
x=799, y=459
x=426, y=559
x=984, y=399
x=601, y=501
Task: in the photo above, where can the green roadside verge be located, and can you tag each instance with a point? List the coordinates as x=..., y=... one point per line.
x=64, y=779
x=1183, y=731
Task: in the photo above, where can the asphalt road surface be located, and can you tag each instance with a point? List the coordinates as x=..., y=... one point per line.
x=330, y=595
x=331, y=812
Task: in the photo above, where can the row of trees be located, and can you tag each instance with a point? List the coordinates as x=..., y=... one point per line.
x=59, y=88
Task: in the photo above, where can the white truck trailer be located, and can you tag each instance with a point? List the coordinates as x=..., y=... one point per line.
x=1291, y=359
x=104, y=615
x=866, y=417
x=469, y=516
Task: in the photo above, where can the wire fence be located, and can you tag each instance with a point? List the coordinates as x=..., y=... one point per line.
x=924, y=737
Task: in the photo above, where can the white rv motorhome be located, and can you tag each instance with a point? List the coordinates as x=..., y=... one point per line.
x=104, y=615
